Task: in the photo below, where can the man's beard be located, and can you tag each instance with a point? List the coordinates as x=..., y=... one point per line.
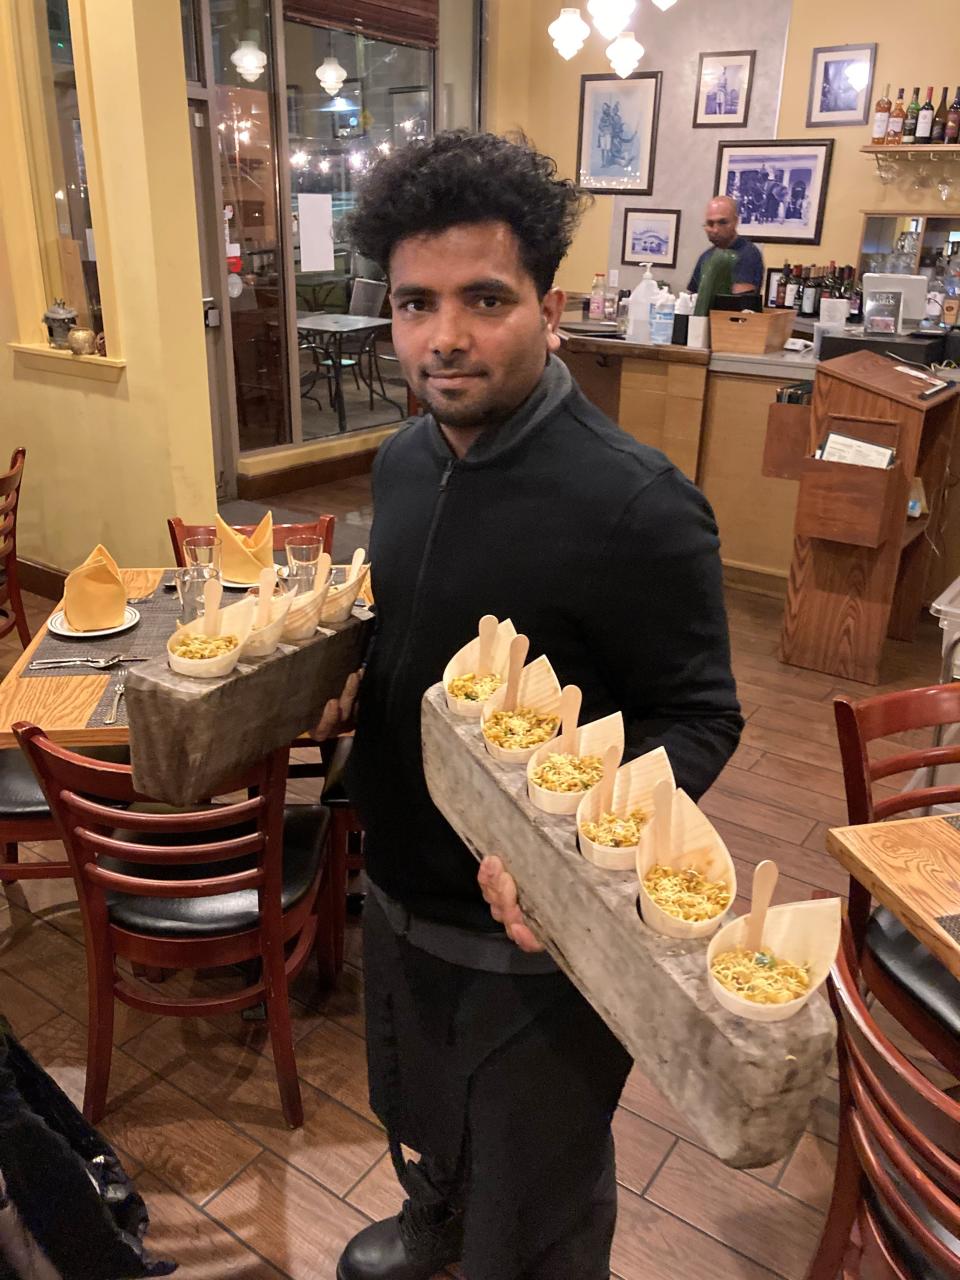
x=489, y=413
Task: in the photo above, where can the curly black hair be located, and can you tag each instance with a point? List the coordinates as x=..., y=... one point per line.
x=458, y=177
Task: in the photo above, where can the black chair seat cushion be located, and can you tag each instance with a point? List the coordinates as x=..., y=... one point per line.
x=20, y=794
x=905, y=959
x=919, y=1265
x=304, y=841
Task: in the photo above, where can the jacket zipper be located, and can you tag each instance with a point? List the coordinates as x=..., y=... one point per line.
x=418, y=586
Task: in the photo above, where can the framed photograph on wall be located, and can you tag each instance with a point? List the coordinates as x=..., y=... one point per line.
x=650, y=235
x=617, y=136
x=841, y=81
x=780, y=187
x=724, y=81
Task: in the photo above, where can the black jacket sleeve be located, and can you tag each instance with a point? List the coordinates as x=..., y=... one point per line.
x=659, y=632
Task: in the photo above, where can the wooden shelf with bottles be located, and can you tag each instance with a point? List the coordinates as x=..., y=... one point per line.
x=912, y=149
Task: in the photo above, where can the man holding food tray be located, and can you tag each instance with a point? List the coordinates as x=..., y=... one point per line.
x=513, y=496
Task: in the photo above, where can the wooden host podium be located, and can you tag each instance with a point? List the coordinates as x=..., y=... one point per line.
x=859, y=563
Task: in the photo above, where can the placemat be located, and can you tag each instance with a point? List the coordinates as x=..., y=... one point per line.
x=98, y=717
x=953, y=820
x=158, y=613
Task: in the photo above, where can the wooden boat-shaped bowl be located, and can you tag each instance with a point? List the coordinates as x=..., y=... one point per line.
x=592, y=740
x=234, y=620
x=341, y=599
x=801, y=932
x=303, y=616
x=262, y=642
x=632, y=790
x=539, y=689
x=465, y=660
x=694, y=843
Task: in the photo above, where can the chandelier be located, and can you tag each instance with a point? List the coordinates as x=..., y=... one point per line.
x=610, y=17
x=331, y=75
x=249, y=58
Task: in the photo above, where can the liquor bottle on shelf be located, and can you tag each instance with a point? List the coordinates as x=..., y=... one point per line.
x=810, y=298
x=898, y=114
x=856, y=306
x=910, y=119
x=793, y=286
x=952, y=131
x=925, y=118
x=938, y=132
x=598, y=291
x=881, y=119
x=780, y=299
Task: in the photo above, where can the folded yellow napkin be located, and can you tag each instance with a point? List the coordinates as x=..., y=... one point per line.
x=93, y=595
x=242, y=557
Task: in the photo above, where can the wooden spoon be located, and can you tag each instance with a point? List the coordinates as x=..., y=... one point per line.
x=570, y=701
x=611, y=763
x=764, y=883
x=356, y=563
x=519, y=647
x=268, y=580
x=663, y=794
x=322, y=580
x=212, y=595
x=488, y=635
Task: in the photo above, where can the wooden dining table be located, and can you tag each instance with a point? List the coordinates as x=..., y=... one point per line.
x=62, y=704
x=912, y=867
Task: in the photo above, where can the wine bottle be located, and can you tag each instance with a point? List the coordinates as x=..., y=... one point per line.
x=952, y=131
x=910, y=119
x=939, y=130
x=895, y=126
x=780, y=299
x=793, y=287
x=925, y=118
x=881, y=118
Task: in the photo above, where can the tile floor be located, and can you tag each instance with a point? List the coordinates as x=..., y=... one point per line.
x=193, y=1105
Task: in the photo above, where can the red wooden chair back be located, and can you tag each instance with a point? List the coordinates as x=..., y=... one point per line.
x=10, y=586
x=321, y=528
x=898, y=1163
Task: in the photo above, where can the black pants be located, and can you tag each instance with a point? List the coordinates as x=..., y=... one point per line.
x=506, y=1087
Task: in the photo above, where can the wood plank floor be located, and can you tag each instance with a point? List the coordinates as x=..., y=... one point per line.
x=193, y=1105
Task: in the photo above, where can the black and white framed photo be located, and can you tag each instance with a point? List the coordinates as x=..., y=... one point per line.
x=841, y=81
x=724, y=81
x=780, y=187
x=617, y=136
x=650, y=235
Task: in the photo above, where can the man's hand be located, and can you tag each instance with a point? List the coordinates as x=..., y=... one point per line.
x=338, y=713
x=500, y=890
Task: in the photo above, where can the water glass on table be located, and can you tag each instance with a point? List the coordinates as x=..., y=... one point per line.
x=190, y=582
x=203, y=549
x=303, y=558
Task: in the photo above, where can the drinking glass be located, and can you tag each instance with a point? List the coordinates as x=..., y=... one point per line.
x=303, y=557
x=202, y=549
x=190, y=582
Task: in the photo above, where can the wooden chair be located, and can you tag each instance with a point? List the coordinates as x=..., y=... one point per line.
x=895, y=1209
x=219, y=885
x=906, y=978
x=11, y=603
x=321, y=528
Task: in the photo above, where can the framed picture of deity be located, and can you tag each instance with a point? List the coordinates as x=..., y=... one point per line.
x=617, y=137
x=780, y=187
x=724, y=81
x=650, y=235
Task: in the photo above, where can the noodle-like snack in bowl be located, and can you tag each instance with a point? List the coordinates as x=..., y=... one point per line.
x=191, y=646
x=760, y=976
x=614, y=832
x=516, y=720
x=473, y=688
x=520, y=729
x=609, y=828
x=568, y=773
x=684, y=893
x=192, y=652
x=479, y=668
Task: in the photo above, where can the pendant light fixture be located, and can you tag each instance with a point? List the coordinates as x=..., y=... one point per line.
x=249, y=59
x=611, y=16
x=664, y=5
x=568, y=32
x=624, y=54
x=331, y=75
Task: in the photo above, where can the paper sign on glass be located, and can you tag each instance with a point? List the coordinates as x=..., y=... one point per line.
x=316, y=232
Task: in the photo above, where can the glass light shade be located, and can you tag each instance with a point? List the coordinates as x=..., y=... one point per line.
x=249, y=59
x=664, y=5
x=624, y=54
x=568, y=33
x=610, y=16
x=331, y=75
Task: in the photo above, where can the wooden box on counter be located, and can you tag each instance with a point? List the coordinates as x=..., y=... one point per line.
x=751, y=333
x=859, y=563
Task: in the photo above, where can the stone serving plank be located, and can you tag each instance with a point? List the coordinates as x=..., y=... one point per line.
x=187, y=736
x=747, y=1087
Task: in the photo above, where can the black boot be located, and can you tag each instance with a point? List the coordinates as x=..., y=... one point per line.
x=412, y=1246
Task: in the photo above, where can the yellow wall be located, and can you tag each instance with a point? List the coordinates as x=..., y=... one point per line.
x=908, y=53
x=111, y=452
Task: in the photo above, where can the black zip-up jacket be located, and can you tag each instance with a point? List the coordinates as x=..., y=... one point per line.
x=597, y=548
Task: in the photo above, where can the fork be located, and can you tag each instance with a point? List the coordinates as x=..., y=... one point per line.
x=99, y=664
x=121, y=678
